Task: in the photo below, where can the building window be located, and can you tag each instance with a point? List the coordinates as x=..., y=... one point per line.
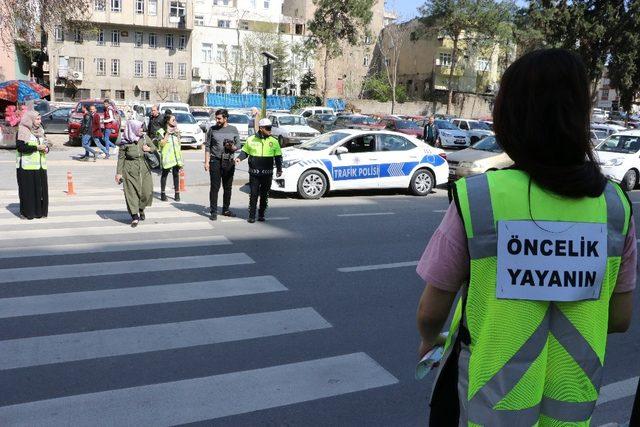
x=101, y=66
x=266, y=4
x=153, y=40
x=119, y=95
x=139, y=6
x=207, y=52
x=182, y=70
x=365, y=61
x=223, y=23
x=367, y=39
x=221, y=86
x=115, y=67
x=605, y=95
x=58, y=33
x=144, y=95
x=76, y=64
x=221, y=53
x=221, y=2
x=77, y=36
x=244, y=25
x=137, y=68
x=182, y=42
x=105, y=93
x=168, y=41
x=116, y=5
x=445, y=59
x=177, y=8
x=99, y=5
x=115, y=38
x=482, y=64
x=100, y=37
x=138, y=39
x=153, y=7
x=235, y=54
x=198, y=20
x=153, y=69
x=168, y=70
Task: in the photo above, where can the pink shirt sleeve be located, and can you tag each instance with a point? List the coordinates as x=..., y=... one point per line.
x=445, y=262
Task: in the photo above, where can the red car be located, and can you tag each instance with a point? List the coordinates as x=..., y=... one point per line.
x=408, y=127
x=76, y=118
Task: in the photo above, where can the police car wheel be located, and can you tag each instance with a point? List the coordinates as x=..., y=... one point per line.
x=312, y=185
x=422, y=182
x=630, y=180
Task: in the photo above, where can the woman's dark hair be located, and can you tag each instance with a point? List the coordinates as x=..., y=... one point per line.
x=167, y=117
x=541, y=119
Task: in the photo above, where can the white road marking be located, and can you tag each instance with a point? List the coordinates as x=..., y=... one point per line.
x=367, y=214
x=377, y=266
x=102, y=207
x=140, y=295
x=67, y=271
x=111, y=216
x=161, y=242
x=107, y=229
x=440, y=211
x=618, y=390
x=36, y=351
x=207, y=398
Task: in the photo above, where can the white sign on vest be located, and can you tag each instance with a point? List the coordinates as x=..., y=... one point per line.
x=551, y=261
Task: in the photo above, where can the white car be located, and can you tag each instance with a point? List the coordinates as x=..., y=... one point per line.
x=607, y=127
x=476, y=130
x=291, y=129
x=349, y=159
x=240, y=121
x=598, y=115
x=619, y=158
x=191, y=134
x=311, y=111
x=174, y=106
x=450, y=135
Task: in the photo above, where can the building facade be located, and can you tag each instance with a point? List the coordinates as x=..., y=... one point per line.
x=129, y=50
x=606, y=96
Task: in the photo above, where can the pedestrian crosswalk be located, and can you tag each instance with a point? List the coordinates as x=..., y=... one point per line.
x=54, y=284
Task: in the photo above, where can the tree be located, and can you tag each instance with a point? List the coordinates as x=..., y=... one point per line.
x=624, y=65
x=164, y=88
x=461, y=21
x=377, y=87
x=308, y=83
x=388, y=49
x=335, y=23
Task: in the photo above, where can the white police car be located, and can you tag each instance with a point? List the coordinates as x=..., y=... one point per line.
x=348, y=159
x=619, y=158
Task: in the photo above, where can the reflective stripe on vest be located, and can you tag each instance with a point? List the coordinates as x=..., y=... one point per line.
x=506, y=381
x=31, y=161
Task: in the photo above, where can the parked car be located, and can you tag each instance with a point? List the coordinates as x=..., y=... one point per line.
x=476, y=130
x=322, y=122
x=76, y=118
x=609, y=128
x=174, y=106
x=619, y=158
x=357, y=121
x=408, y=127
x=598, y=115
x=241, y=122
x=190, y=133
x=291, y=129
x=483, y=156
x=350, y=159
x=310, y=111
x=597, y=136
x=450, y=135
x=57, y=121
x=204, y=119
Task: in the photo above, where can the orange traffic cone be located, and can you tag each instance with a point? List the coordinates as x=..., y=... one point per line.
x=70, y=188
x=183, y=182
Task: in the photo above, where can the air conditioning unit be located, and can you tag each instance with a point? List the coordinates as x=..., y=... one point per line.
x=74, y=75
x=437, y=62
x=195, y=72
x=174, y=19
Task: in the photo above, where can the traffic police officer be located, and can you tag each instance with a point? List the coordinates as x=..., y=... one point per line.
x=544, y=257
x=263, y=150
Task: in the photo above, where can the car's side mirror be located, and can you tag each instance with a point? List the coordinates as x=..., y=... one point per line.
x=341, y=150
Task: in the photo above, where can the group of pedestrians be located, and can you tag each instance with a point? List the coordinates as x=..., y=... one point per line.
x=98, y=130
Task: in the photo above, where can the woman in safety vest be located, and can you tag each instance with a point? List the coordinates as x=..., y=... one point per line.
x=543, y=256
x=170, y=155
x=31, y=167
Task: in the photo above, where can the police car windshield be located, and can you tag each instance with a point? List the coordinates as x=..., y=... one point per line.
x=238, y=119
x=487, y=144
x=443, y=124
x=322, y=142
x=627, y=144
x=184, y=118
x=291, y=120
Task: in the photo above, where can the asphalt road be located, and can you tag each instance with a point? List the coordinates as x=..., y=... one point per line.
x=307, y=319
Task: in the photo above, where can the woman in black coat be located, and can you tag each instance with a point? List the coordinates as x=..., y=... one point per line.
x=31, y=167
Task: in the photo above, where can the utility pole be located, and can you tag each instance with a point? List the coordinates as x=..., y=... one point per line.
x=267, y=79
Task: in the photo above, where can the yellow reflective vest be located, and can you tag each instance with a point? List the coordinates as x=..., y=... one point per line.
x=170, y=151
x=31, y=161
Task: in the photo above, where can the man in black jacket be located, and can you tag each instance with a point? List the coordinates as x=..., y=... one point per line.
x=431, y=134
x=85, y=133
x=156, y=122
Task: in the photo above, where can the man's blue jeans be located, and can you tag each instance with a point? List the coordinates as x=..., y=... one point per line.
x=107, y=142
x=86, y=143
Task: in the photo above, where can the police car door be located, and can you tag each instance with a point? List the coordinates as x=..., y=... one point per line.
x=359, y=167
x=397, y=156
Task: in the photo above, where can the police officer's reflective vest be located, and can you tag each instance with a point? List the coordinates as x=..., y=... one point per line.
x=31, y=161
x=171, y=152
x=261, y=152
x=524, y=362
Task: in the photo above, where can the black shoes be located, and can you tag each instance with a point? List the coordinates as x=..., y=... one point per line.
x=228, y=213
x=251, y=220
x=213, y=216
x=177, y=197
x=261, y=218
x=142, y=217
x=163, y=197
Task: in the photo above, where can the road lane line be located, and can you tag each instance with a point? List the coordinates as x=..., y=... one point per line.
x=377, y=266
x=68, y=271
x=206, y=398
x=99, y=218
x=440, y=211
x=140, y=295
x=44, y=350
x=99, y=231
x=367, y=214
x=618, y=390
x=162, y=242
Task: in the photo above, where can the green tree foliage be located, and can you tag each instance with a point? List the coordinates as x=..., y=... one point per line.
x=377, y=87
x=624, y=64
x=308, y=83
x=335, y=23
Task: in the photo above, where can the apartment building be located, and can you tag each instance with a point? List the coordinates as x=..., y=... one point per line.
x=227, y=40
x=128, y=50
x=606, y=96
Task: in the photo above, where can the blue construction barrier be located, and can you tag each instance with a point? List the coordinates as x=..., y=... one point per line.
x=274, y=102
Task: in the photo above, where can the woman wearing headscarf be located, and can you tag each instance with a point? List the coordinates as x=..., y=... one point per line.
x=171, y=156
x=134, y=170
x=31, y=167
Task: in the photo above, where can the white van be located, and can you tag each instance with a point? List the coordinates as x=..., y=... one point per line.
x=310, y=111
x=174, y=106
